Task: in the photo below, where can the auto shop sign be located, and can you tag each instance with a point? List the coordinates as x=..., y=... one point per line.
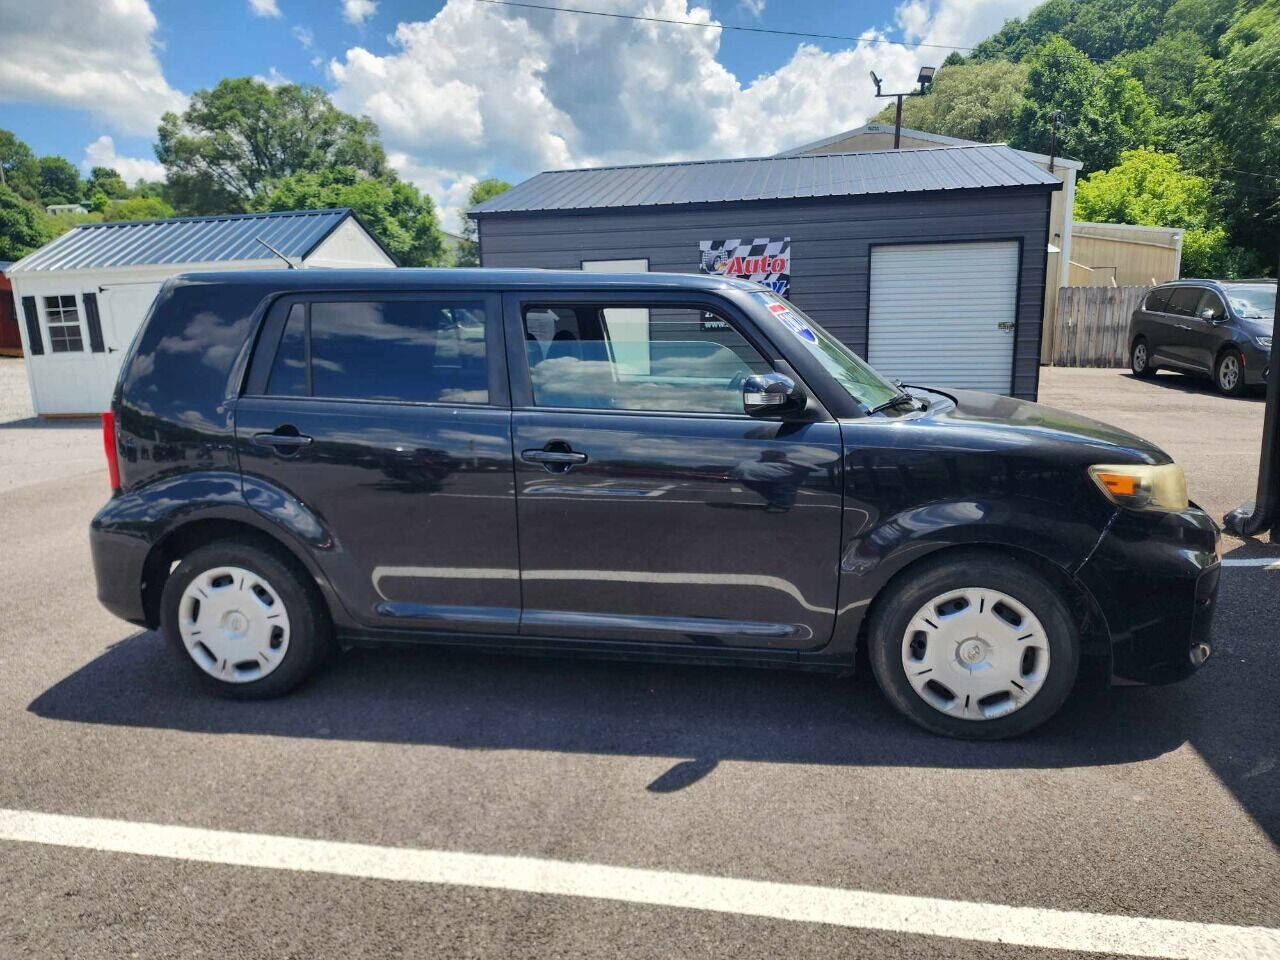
x=767, y=262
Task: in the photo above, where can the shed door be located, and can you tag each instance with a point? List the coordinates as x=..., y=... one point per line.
x=942, y=314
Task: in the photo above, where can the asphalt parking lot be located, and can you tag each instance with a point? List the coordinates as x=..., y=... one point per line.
x=1161, y=804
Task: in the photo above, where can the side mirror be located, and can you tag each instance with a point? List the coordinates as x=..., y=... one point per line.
x=771, y=395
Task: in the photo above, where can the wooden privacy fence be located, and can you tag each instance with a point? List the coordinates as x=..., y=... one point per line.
x=1091, y=326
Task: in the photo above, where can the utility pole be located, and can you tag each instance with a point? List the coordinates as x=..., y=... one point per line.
x=1053, y=142
x=925, y=78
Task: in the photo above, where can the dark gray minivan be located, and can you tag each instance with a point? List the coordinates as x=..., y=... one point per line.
x=1217, y=328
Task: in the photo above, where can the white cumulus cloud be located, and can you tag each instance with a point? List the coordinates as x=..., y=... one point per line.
x=753, y=7
x=264, y=8
x=304, y=36
x=477, y=87
x=102, y=153
x=358, y=11
x=99, y=57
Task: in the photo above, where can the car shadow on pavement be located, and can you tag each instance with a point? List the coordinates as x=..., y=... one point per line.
x=1190, y=383
x=699, y=716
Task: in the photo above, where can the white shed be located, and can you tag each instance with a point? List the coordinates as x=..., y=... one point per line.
x=82, y=297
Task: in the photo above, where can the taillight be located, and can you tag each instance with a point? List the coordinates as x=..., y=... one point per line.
x=109, y=445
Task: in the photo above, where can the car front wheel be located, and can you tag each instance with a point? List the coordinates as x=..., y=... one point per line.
x=1229, y=373
x=248, y=623
x=979, y=647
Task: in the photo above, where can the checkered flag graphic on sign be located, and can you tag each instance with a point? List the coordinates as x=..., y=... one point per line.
x=758, y=260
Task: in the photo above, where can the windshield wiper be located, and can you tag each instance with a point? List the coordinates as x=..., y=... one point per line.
x=893, y=402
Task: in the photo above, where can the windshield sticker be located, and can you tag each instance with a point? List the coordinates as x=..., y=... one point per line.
x=795, y=324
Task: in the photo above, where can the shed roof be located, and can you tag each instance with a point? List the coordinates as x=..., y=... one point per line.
x=817, y=146
x=773, y=178
x=228, y=238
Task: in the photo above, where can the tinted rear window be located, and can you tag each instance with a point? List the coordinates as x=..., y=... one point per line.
x=1184, y=300
x=393, y=350
x=1158, y=300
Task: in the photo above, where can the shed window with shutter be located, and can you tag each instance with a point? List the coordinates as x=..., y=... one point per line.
x=63, y=320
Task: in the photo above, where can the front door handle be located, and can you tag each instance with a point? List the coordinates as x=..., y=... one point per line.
x=279, y=440
x=559, y=457
x=556, y=457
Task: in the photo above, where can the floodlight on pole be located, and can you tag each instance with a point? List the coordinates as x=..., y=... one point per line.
x=924, y=80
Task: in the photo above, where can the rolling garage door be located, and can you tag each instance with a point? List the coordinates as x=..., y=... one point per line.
x=942, y=314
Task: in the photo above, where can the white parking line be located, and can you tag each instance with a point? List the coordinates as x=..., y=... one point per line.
x=985, y=922
x=1267, y=563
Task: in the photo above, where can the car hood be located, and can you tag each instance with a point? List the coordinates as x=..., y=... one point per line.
x=1006, y=421
x=1258, y=327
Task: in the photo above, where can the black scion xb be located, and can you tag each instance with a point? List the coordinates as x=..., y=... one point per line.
x=632, y=465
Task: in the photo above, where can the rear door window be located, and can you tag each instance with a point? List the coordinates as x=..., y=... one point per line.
x=1184, y=300
x=413, y=351
x=637, y=357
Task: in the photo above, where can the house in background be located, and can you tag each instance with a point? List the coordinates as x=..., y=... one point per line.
x=83, y=296
x=879, y=136
x=452, y=243
x=928, y=262
x=55, y=208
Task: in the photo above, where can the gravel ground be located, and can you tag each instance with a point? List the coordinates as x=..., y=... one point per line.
x=33, y=450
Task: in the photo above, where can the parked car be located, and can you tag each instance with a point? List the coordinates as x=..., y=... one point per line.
x=651, y=465
x=1221, y=329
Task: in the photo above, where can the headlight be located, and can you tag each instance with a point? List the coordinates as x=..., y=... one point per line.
x=1142, y=487
x=1263, y=342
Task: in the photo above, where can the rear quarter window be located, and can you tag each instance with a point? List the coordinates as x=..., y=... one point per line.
x=182, y=359
x=1157, y=301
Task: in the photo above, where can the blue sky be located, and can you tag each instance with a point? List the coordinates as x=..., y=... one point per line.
x=467, y=89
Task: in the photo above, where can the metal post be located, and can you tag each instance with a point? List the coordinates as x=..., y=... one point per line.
x=1251, y=519
x=897, y=125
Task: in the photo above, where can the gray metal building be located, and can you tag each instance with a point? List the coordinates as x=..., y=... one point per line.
x=930, y=262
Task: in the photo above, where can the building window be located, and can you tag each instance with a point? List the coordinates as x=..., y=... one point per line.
x=63, y=319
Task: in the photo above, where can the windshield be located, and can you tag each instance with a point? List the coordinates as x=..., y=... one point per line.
x=857, y=378
x=1256, y=301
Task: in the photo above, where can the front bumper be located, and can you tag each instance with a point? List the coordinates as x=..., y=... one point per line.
x=1256, y=361
x=1155, y=580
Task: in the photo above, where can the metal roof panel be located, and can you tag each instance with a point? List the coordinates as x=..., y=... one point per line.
x=230, y=238
x=980, y=166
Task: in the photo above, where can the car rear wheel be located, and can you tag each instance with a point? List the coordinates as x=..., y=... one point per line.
x=244, y=620
x=1140, y=359
x=1228, y=374
x=978, y=647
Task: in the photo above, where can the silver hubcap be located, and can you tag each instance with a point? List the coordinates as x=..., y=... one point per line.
x=1140, y=357
x=975, y=653
x=1229, y=372
x=233, y=624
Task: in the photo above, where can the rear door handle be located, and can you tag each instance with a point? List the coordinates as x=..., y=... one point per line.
x=281, y=440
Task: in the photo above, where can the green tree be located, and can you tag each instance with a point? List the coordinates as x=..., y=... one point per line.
x=22, y=226
x=234, y=140
x=18, y=167
x=975, y=101
x=137, y=208
x=402, y=218
x=1241, y=149
x=1104, y=111
x=107, y=181
x=1152, y=189
x=59, y=181
x=481, y=190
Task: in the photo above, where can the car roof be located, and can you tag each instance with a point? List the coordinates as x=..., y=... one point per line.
x=413, y=278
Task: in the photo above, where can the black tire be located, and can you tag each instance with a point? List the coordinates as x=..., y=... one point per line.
x=1140, y=359
x=904, y=597
x=1228, y=373
x=310, y=638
